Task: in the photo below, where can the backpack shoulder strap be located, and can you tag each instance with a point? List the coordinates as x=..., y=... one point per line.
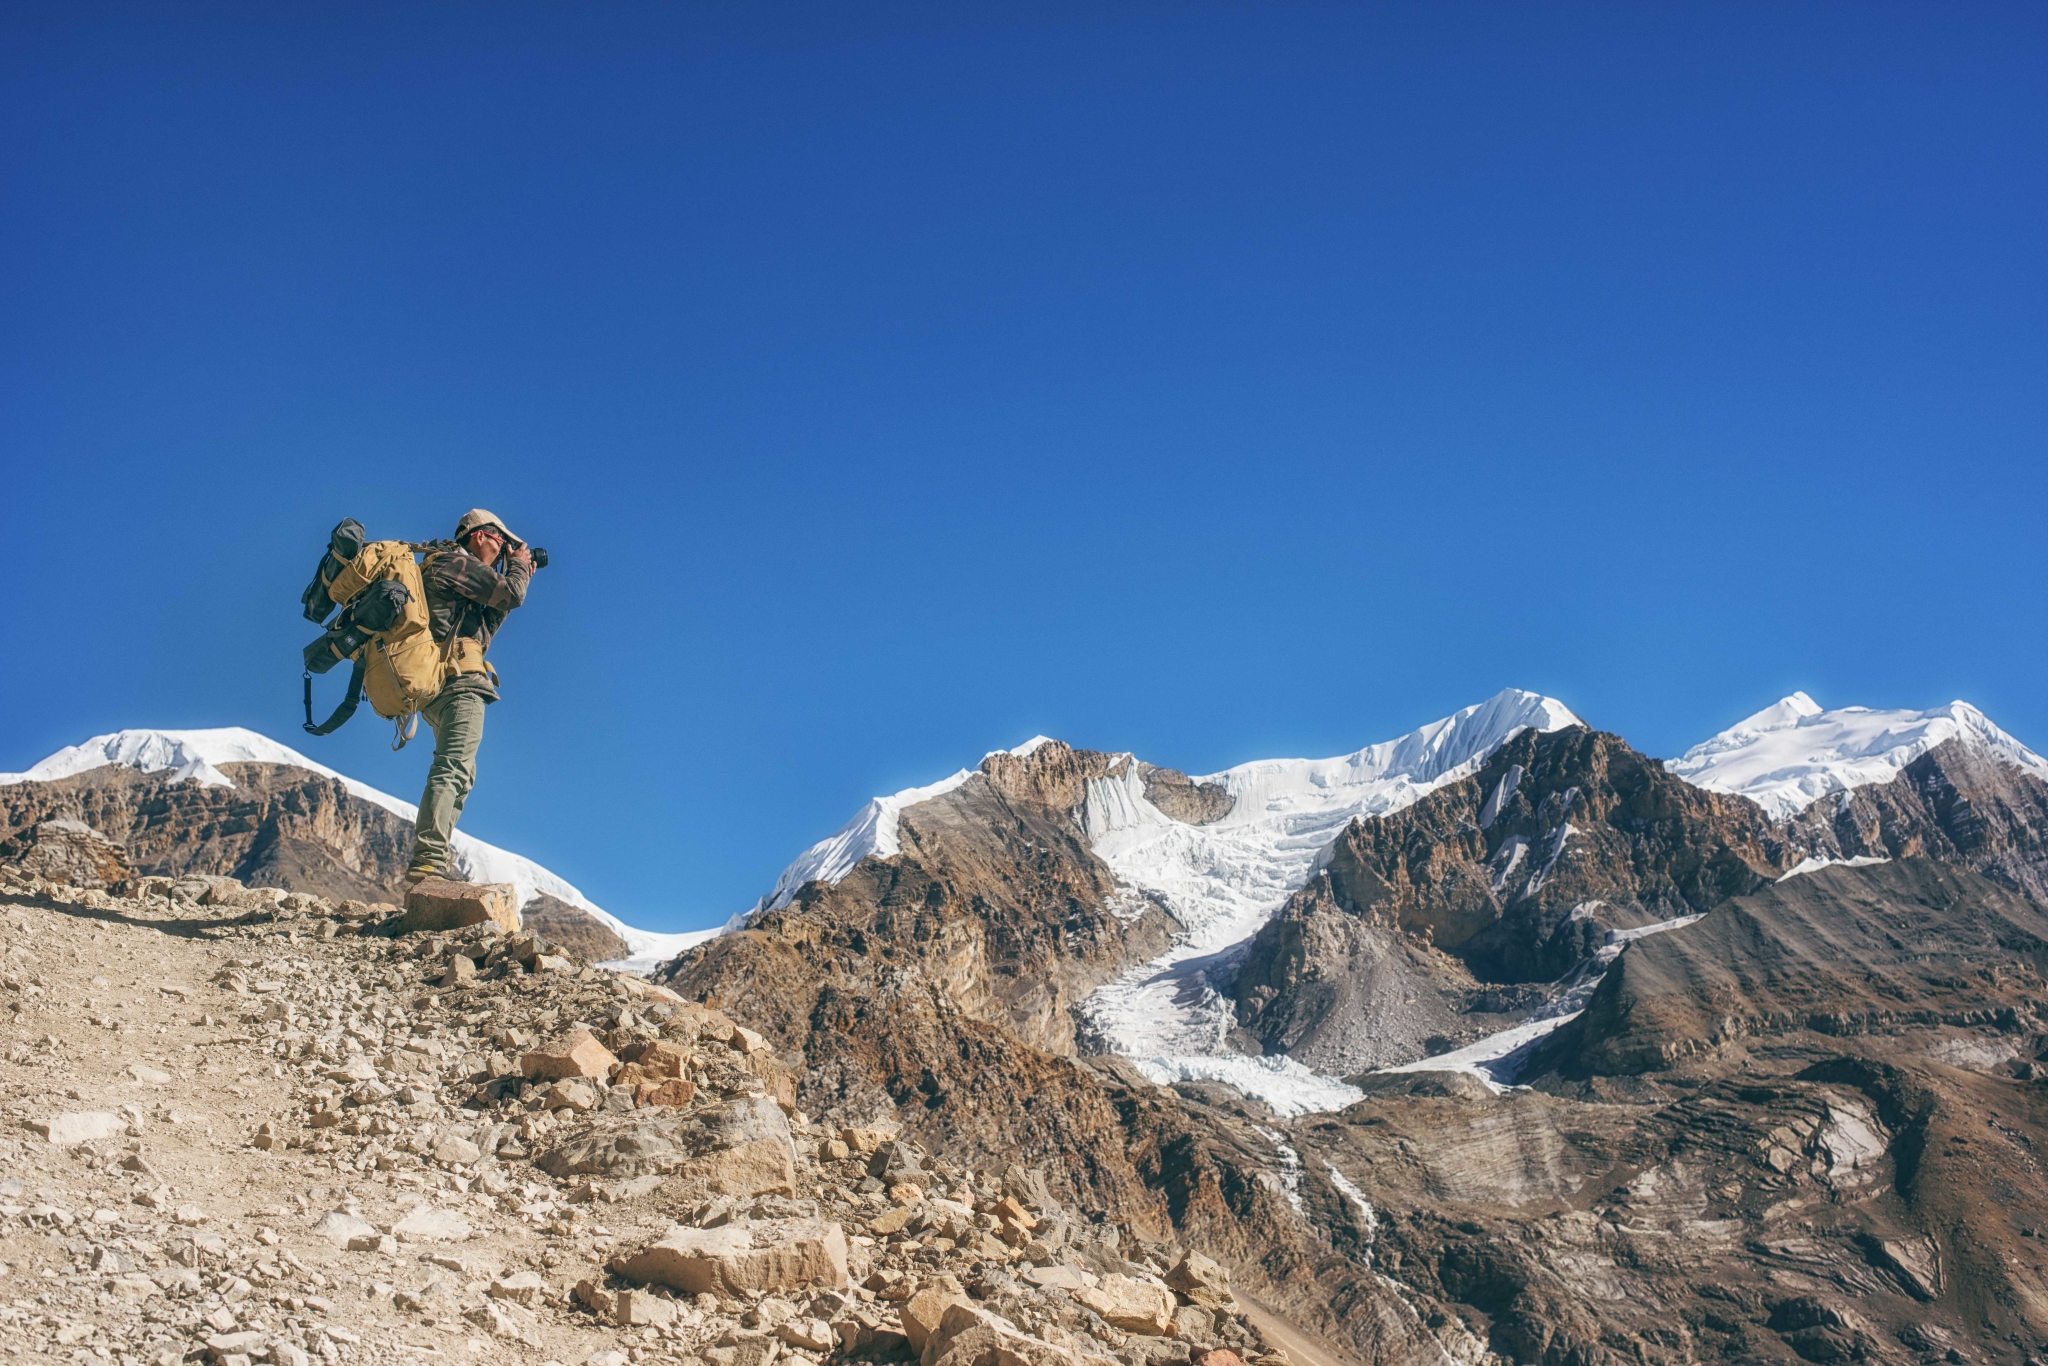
x=349, y=702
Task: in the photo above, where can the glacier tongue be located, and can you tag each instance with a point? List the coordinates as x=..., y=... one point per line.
x=1224, y=880
x=1794, y=751
x=198, y=754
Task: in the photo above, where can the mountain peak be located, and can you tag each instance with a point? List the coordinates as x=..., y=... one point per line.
x=1794, y=752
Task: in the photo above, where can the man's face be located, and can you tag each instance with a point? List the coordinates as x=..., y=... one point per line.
x=486, y=544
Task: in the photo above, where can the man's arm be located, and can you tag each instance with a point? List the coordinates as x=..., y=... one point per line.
x=461, y=574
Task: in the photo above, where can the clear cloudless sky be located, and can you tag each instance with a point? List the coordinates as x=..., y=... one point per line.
x=892, y=382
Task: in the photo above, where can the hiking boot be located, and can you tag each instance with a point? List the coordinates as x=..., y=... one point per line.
x=415, y=876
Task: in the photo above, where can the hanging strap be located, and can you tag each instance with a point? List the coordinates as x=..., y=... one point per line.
x=349, y=701
x=403, y=728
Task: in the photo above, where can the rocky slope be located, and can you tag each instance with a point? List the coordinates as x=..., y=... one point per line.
x=252, y=1125
x=1721, y=1158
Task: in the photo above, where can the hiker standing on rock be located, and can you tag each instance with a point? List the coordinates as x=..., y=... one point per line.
x=470, y=588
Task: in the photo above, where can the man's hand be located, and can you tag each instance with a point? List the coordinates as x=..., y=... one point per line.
x=521, y=556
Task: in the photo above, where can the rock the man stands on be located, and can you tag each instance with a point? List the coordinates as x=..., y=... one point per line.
x=469, y=592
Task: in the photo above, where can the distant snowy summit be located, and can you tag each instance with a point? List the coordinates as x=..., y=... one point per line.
x=1794, y=752
x=198, y=756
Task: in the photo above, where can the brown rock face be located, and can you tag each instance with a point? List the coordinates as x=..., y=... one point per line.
x=1182, y=798
x=66, y=851
x=1952, y=804
x=277, y=827
x=996, y=899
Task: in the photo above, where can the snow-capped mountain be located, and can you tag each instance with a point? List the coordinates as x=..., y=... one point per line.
x=197, y=755
x=1221, y=879
x=1793, y=752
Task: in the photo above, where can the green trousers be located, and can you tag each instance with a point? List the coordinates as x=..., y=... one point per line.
x=458, y=721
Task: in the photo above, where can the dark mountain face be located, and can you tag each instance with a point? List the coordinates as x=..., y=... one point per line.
x=1520, y=872
x=1515, y=875
x=1952, y=804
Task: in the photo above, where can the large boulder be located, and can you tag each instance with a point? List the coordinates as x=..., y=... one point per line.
x=969, y=1335
x=1133, y=1305
x=437, y=904
x=1202, y=1281
x=89, y=1126
x=746, y=1256
x=578, y=1054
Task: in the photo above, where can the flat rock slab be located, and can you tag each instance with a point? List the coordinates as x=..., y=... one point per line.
x=437, y=904
x=745, y=1256
x=89, y=1126
x=425, y=1225
x=1057, y=1277
x=339, y=1227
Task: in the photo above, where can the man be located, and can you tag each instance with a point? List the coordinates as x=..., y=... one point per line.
x=470, y=589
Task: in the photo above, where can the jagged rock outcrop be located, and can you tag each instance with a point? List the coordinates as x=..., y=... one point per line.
x=573, y=928
x=1182, y=798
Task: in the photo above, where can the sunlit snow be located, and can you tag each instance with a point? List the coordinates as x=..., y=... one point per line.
x=1793, y=752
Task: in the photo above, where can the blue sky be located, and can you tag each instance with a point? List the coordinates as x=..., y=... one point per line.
x=892, y=383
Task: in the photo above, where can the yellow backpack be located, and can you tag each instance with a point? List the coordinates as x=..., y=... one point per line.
x=383, y=627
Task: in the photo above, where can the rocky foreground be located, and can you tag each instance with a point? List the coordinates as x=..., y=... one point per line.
x=251, y=1125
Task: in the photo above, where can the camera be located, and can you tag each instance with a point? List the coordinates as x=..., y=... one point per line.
x=540, y=556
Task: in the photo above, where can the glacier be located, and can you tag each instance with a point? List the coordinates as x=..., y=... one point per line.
x=1224, y=880
x=197, y=756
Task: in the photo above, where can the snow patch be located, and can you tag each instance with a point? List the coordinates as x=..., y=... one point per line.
x=1286, y=1087
x=1358, y=1202
x=1813, y=864
x=1794, y=752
